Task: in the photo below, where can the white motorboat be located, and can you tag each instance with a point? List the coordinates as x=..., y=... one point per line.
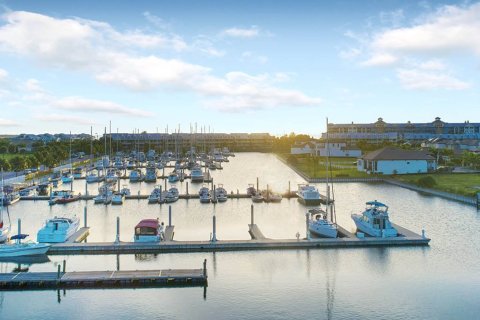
x=173, y=177
x=257, y=197
x=136, y=175
x=156, y=194
x=118, y=198
x=58, y=229
x=204, y=194
x=374, y=221
x=319, y=225
x=172, y=195
x=78, y=173
x=308, y=195
x=196, y=174
x=93, y=177
x=221, y=194
x=148, y=230
x=19, y=249
x=67, y=177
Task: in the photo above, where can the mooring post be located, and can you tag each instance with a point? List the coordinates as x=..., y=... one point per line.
x=64, y=265
x=165, y=184
x=288, y=189
x=423, y=233
x=187, y=187
x=307, y=218
x=478, y=200
x=205, y=268
x=85, y=216
x=118, y=185
x=251, y=215
x=257, y=184
x=86, y=187
x=214, y=195
x=169, y=215
x=161, y=199
x=214, y=234
x=117, y=238
x=19, y=228
x=58, y=272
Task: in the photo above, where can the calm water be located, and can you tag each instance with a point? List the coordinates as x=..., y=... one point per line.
x=438, y=282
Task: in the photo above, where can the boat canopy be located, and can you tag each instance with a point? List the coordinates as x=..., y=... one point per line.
x=148, y=223
x=375, y=203
x=19, y=236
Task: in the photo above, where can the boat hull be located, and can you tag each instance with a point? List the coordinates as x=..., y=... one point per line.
x=23, y=249
x=373, y=232
x=319, y=232
x=309, y=202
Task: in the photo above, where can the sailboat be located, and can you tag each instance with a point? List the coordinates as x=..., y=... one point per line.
x=20, y=248
x=318, y=223
x=4, y=229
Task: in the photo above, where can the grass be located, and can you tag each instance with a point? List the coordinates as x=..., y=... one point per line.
x=9, y=156
x=467, y=184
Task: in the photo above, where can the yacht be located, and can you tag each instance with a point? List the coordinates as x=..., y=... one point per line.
x=148, y=230
x=196, y=174
x=58, y=229
x=204, y=194
x=172, y=195
x=319, y=225
x=308, y=195
x=136, y=175
x=105, y=194
x=78, y=173
x=93, y=177
x=374, y=221
x=156, y=194
x=44, y=189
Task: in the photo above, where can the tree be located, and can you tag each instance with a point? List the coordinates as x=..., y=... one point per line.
x=18, y=163
x=5, y=164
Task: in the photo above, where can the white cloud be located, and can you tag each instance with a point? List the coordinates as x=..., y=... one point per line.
x=8, y=123
x=91, y=105
x=449, y=29
x=3, y=75
x=434, y=64
x=417, y=79
x=251, y=32
x=98, y=49
x=252, y=57
x=156, y=21
x=393, y=18
x=65, y=119
x=380, y=59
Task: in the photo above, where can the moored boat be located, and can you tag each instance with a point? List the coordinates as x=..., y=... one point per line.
x=19, y=248
x=58, y=230
x=319, y=225
x=118, y=198
x=374, y=221
x=172, y=195
x=148, y=230
x=308, y=195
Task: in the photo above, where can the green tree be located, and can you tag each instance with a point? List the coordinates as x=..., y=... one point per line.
x=18, y=163
x=5, y=164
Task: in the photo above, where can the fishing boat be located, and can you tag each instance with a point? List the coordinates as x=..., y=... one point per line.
x=67, y=198
x=257, y=197
x=136, y=175
x=308, y=195
x=156, y=194
x=319, y=225
x=148, y=230
x=221, y=194
x=43, y=189
x=205, y=196
x=374, y=221
x=172, y=195
x=58, y=229
x=196, y=174
x=118, y=198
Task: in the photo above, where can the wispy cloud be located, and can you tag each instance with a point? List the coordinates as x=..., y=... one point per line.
x=236, y=32
x=418, y=79
x=96, y=48
x=65, y=119
x=90, y=105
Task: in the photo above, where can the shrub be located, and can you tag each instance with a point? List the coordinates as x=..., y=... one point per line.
x=426, y=182
x=292, y=160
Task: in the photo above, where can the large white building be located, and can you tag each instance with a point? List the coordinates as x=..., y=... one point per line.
x=396, y=161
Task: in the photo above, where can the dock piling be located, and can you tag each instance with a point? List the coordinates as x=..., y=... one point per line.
x=205, y=268
x=252, y=220
x=117, y=238
x=307, y=231
x=257, y=184
x=64, y=266
x=214, y=233
x=86, y=187
x=289, y=189
x=187, y=188
x=169, y=215
x=58, y=272
x=85, y=216
x=423, y=233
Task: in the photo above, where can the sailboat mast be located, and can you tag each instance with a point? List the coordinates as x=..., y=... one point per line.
x=91, y=146
x=327, y=147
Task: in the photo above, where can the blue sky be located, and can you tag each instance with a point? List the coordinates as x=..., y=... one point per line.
x=235, y=66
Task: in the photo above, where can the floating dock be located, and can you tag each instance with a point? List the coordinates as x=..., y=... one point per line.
x=102, y=279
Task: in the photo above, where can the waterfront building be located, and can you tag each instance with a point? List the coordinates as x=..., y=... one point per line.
x=201, y=141
x=396, y=161
x=458, y=146
x=384, y=131
x=322, y=149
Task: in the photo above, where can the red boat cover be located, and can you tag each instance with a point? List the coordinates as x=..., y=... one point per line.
x=148, y=223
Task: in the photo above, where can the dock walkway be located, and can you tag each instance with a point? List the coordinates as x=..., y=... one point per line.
x=102, y=279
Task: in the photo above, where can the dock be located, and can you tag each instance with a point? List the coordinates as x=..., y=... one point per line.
x=103, y=279
x=79, y=236
x=255, y=232
x=169, y=233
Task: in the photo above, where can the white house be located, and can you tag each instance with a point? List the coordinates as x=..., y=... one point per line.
x=396, y=161
x=303, y=148
x=336, y=149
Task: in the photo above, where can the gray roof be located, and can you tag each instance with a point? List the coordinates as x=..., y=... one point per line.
x=389, y=153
